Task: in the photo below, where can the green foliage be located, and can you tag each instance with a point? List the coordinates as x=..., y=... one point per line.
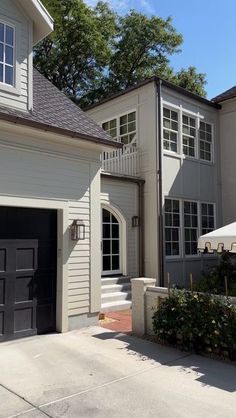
x=190, y=80
x=213, y=281
x=74, y=55
x=94, y=52
x=141, y=49
x=197, y=322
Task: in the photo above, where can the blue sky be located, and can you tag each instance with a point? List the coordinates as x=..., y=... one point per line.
x=209, y=30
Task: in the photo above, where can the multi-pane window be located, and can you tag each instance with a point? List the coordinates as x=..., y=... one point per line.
x=207, y=218
x=111, y=128
x=122, y=128
x=186, y=220
x=172, y=227
x=127, y=128
x=205, y=141
x=170, y=129
x=189, y=135
x=190, y=227
x=110, y=242
x=7, y=35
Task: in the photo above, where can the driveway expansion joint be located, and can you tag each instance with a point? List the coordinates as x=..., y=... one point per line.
x=34, y=407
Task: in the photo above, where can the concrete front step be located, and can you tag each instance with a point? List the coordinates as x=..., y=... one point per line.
x=112, y=288
x=115, y=297
x=116, y=293
x=115, y=280
x=116, y=306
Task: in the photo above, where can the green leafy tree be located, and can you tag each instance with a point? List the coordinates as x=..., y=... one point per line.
x=94, y=52
x=141, y=49
x=190, y=80
x=74, y=56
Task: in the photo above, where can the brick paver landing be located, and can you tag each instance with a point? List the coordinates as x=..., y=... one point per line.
x=120, y=321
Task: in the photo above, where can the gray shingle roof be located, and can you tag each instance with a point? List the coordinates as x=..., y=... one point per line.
x=53, y=109
x=226, y=95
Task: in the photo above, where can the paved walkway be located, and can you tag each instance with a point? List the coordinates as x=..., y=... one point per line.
x=97, y=373
x=120, y=321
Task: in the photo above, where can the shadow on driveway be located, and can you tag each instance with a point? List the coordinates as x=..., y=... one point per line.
x=209, y=372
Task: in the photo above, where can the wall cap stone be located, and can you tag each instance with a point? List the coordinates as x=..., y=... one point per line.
x=143, y=280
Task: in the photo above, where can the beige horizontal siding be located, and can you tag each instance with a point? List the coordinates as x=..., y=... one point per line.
x=38, y=175
x=11, y=11
x=124, y=196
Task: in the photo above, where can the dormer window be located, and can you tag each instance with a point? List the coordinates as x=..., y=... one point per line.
x=7, y=53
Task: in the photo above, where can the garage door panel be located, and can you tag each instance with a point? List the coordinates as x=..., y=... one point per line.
x=26, y=259
x=27, y=282
x=24, y=288
x=1, y=323
x=2, y=260
x=23, y=319
x=2, y=290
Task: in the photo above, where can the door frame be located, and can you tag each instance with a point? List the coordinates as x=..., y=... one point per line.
x=123, y=237
x=62, y=250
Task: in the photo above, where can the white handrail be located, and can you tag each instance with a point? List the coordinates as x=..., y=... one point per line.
x=122, y=161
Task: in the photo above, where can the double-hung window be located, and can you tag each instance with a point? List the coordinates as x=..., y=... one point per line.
x=190, y=227
x=111, y=128
x=207, y=218
x=189, y=135
x=122, y=128
x=7, y=53
x=170, y=130
x=172, y=227
x=127, y=129
x=205, y=141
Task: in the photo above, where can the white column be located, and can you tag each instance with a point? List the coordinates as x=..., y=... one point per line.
x=139, y=287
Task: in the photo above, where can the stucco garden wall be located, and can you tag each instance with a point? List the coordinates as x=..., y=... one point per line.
x=146, y=297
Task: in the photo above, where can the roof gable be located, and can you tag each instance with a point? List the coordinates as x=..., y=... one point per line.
x=42, y=21
x=226, y=95
x=54, y=111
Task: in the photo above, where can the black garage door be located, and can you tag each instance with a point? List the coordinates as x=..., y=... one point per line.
x=28, y=260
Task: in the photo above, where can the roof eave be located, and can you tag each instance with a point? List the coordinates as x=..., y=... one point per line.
x=60, y=131
x=43, y=23
x=225, y=99
x=156, y=80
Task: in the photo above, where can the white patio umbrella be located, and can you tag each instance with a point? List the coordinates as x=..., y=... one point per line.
x=222, y=239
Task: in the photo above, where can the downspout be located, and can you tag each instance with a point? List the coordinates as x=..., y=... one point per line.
x=160, y=233
x=141, y=228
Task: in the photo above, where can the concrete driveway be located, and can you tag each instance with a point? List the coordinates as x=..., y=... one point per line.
x=98, y=373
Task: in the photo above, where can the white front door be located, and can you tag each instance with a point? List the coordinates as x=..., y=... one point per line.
x=111, y=253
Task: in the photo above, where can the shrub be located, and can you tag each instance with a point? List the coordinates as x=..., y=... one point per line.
x=213, y=281
x=197, y=322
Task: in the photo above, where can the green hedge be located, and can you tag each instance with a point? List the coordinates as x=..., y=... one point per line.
x=213, y=280
x=197, y=322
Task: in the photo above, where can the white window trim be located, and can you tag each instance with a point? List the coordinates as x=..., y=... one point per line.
x=198, y=117
x=186, y=156
x=117, y=117
x=171, y=108
x=194, y=256
x=123, y=237
x=15, y=89
x=182, y=255
x=214, y=213
x=212, y=161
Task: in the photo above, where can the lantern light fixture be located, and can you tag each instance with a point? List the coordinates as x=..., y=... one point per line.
x=77, y=230
x=135, y=221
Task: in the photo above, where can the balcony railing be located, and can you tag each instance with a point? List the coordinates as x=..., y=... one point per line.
x=124, y=161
